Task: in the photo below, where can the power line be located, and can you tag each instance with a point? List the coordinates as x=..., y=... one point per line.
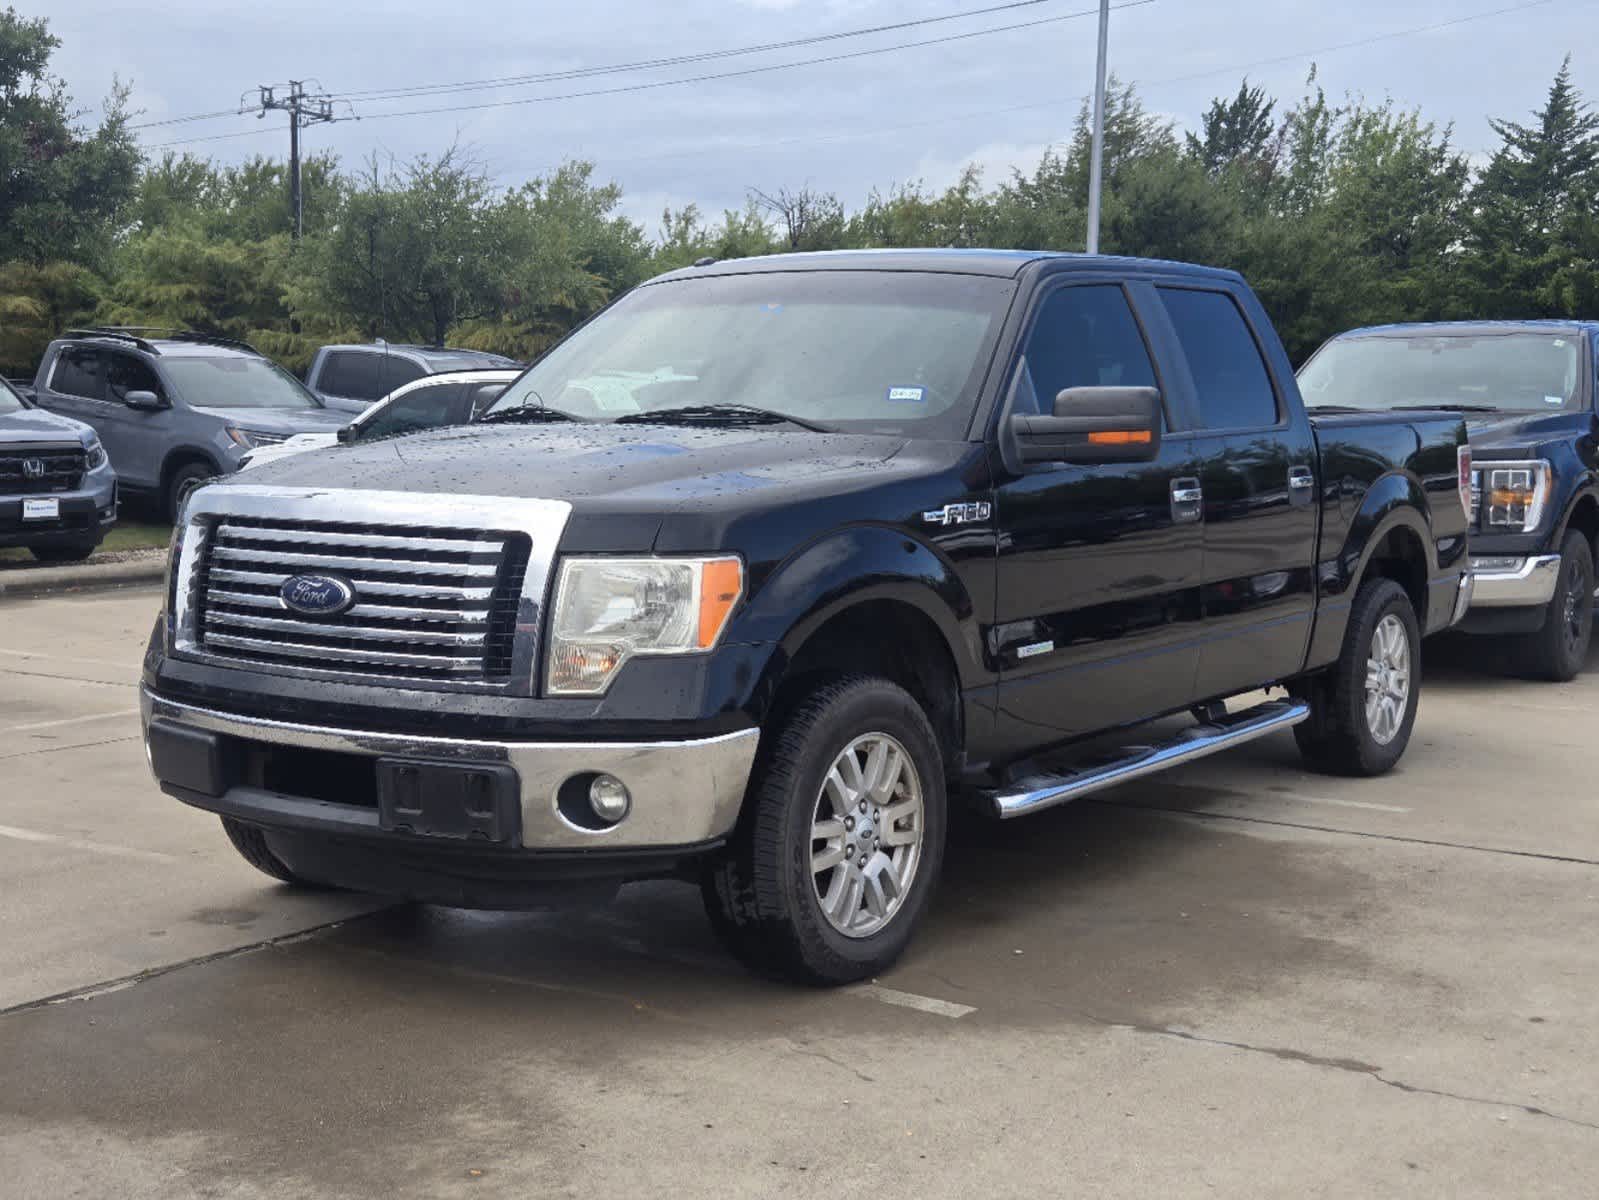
x=1235, y=68
x=617, y=68
x=705, y=78
x=681, y=59
x=1053, y=102
x=747, y=71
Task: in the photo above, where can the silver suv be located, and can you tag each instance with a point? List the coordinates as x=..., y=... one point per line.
x=173, y=408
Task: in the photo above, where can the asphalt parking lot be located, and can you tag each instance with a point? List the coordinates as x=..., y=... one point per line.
x=1237, y=979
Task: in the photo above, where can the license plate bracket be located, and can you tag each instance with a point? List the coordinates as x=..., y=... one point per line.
x=467, y=802
x=41, y=509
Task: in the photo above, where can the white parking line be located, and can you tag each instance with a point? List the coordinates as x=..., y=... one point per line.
x=1367, y=804
x=34, y=835
x=926, y=1004
x=105, y=716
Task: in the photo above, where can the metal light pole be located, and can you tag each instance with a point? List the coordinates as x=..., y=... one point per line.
x=1096, y=158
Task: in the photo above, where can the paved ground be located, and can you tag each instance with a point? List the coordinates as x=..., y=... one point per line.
x=1238, y=980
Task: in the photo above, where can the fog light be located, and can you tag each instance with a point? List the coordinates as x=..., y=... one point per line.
x=608, y=797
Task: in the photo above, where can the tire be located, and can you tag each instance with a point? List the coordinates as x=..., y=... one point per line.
x=1345, y=734
x=251, y=844
x=63, y=552
x=761, y=894
x=185, y=477
x=1560, y=648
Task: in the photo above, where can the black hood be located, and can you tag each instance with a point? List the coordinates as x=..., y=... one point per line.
x=1523, y=430
x=598, y=467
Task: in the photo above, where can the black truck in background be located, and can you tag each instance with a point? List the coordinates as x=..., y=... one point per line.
x=1527, y=391
x=760, y=570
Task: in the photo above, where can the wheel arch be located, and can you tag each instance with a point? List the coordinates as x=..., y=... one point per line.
x=868, y=600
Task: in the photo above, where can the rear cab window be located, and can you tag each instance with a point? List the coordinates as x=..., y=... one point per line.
x=78, y=371
x=356, y=374
x=1231, y=383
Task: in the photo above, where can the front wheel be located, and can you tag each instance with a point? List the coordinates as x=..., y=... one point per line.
x=252, y=846
x=1363, y=707
x=183, y=480
x=841, y=839
x=1558, y=651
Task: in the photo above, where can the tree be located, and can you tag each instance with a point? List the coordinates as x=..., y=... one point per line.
x=1236, y=133
x=1537, y=180
x=62, y=187
x=806, y=220
x=409, y=256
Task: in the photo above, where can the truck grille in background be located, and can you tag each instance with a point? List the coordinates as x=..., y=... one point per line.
x=63, y=469
x=429, y=603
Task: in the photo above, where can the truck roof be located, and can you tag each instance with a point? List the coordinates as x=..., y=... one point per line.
x=1446, y=328
x=1003, y=263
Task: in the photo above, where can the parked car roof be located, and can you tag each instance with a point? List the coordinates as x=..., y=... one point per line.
x=1004, y=263
x=1445, y=328
x=162, y=342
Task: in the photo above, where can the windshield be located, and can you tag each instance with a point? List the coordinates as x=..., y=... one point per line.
x=869, y=352
x=1515, y=372
x=10, y=402
x=237, y=382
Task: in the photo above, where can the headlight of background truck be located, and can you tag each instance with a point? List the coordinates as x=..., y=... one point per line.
x=608, y=610
x=1513, y=494
x=94, y=453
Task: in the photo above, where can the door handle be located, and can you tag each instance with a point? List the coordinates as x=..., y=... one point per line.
x=1301, y=480
x=1187, y=501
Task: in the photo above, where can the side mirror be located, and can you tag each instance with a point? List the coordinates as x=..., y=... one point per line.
x=144, y=401
x=1092, y=425
x=346, y=433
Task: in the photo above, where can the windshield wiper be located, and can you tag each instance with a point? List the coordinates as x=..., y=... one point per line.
x=532, y=413
x=1488, y=408
x=720, y=414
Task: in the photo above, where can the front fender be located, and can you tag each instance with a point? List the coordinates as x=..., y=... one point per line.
x=853, y=566
x=1395, y=500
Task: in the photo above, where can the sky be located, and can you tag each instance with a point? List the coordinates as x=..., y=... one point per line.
x=872, y=120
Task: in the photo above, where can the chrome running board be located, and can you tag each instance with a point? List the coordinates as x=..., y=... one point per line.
x=1045, y=789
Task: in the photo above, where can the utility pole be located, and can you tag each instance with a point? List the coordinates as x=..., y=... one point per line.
x=1096, y=157
x=303, y=108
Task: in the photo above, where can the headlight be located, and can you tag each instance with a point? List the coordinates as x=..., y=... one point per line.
x=249, y=438
x=608, y=610
x=1513, y=494
x=95, y=454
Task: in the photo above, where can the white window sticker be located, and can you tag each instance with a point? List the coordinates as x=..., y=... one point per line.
x=906, y=395
x=1553, y=400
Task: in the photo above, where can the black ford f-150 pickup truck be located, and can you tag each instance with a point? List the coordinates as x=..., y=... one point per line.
x=759, y=571
x=1527, y=389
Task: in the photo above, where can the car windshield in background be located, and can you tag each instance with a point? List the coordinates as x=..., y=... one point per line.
x=1515, y=372
x=237, y=382
x=867, y=352
x=10, y=402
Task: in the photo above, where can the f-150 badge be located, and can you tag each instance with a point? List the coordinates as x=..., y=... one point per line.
x=958, y=514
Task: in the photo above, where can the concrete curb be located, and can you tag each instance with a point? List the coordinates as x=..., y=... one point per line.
x=143, y=566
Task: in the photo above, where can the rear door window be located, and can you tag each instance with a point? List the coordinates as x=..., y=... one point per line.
x=1230, y=377
x=79, y=371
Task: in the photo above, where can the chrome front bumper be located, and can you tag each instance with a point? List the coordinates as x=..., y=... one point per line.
x=683, y=792
x=1514, y=582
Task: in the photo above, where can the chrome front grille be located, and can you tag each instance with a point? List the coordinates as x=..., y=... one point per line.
x=434, y=603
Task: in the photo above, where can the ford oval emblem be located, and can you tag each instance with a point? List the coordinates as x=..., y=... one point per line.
x=316, y=595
